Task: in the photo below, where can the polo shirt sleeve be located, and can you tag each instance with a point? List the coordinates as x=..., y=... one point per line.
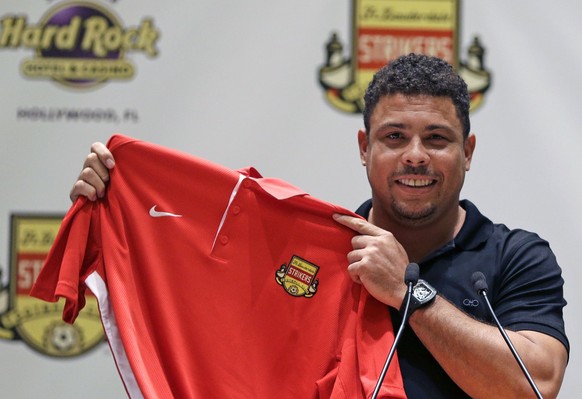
x=530, y=296
x=73, y=256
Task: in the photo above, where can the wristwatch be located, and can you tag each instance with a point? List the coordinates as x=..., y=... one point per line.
x=422, y=294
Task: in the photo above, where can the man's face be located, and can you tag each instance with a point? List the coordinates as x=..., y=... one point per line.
x=416, y=159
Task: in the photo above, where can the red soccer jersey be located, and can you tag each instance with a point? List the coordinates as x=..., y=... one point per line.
x=214, y=283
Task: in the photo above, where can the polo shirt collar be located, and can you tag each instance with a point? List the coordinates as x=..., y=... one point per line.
x=475, y=230
x=277, y=188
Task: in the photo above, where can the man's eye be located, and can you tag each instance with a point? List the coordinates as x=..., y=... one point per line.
x=394, y=136
x=437, y=137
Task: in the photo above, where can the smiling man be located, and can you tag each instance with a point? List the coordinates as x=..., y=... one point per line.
x=416, y=148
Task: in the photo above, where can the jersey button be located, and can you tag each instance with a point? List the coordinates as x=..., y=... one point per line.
x=236, y=210
x=224, y=240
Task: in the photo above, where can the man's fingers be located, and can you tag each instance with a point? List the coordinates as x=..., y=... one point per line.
x=92, y=180
x=94, y=168
x=89, y=184
x=100, y=160
x=81, y=188
x=360, y=226
x=103, y=154
x=353, y=273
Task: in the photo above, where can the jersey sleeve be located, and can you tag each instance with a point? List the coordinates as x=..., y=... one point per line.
x=73, y=256
x=531, y=295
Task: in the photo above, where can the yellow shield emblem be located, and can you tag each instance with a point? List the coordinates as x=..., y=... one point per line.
x=298, y=277
x=383, y=30
x=37, y=323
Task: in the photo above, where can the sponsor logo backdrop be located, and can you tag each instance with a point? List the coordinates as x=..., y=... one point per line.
x=239, y=84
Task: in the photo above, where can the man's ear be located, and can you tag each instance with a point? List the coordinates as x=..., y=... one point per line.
x=469, y=147
x=363, y=144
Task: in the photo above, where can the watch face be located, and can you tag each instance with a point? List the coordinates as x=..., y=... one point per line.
x=421, y=291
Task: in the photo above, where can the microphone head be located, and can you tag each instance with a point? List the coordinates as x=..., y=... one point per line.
x=411, y=273
x=479, y=282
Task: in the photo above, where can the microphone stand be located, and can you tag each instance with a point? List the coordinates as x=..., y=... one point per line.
x=481, y=287
x=411, y=276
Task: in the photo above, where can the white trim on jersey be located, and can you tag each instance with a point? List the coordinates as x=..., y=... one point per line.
x=241, y=177
x=99, y=289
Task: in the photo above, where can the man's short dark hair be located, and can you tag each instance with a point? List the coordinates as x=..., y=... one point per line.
x=417, y=74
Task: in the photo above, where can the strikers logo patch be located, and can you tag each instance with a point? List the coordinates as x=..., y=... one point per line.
x=37, y=323
x=298, y=277
x=383, y=30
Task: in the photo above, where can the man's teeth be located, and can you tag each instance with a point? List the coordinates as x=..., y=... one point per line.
x=416, y=182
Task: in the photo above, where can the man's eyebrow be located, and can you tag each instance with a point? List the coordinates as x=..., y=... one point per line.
x=437, y=126
x=392, y=125
x=398, y=125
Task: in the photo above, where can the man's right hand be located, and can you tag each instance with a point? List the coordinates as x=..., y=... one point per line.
x=94, y=177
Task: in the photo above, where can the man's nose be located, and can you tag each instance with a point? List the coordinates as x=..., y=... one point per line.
x=415, y=154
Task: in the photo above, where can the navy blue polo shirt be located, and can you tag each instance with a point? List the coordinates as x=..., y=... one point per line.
x=525, y=289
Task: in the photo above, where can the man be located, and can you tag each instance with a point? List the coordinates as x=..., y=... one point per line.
x=416, y=148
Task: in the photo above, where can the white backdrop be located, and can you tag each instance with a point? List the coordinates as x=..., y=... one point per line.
x=237, y=84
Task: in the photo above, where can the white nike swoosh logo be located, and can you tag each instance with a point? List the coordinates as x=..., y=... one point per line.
x=157, y=214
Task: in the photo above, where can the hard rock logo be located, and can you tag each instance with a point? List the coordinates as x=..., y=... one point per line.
x=37, y=323
x=382, y=30
x=78, y=44
x=298, y=277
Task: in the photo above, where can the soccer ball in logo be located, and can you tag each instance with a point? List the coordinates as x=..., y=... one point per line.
x=63, y=337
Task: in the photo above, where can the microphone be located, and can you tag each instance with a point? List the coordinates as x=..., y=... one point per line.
x=411, y=275
x=480, y=285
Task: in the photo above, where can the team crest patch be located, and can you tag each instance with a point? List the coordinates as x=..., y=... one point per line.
x=298, y=277
x=382, y=30
x=37, y=323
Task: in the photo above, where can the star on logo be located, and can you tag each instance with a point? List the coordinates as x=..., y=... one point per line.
x=158, y=214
